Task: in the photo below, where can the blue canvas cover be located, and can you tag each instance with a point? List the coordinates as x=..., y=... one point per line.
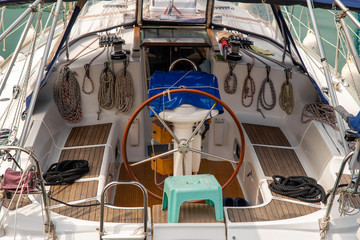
x=355, y=122
x=162, y=81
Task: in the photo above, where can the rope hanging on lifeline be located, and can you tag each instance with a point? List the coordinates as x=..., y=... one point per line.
x=124, y=90
x=67, y=95
x=87, y=74
x=286, y=96
x=319, y=112
x=261, y=98
x=248, y=92
x=230, y=77
x=106, y=95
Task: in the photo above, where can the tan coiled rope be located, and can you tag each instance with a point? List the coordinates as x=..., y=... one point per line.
x=124, y=90
x=67, y=96
x=106, y=93
x=286, y=96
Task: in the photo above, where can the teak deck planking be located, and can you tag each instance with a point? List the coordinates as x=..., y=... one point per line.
x=90, y=140
x=270, y=159
x=274, y=160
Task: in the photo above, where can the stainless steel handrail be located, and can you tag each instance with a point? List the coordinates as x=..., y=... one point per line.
x=183, y=59
x=102, y=203
x=324, y=222
x=39, y=175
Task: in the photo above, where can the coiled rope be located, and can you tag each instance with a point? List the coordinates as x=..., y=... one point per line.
x=300, y=187
x=87, y=74
x=319, y=112
x=67, y=96
x=248, y=92
x=106, y=96
x=230, y=77
x=261, y=98
x=286, y=96
x=124, y=90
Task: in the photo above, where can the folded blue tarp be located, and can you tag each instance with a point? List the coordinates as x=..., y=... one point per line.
x=162, y=81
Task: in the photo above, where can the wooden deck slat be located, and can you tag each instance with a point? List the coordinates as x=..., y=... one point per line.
x=82, y=190
x=266, y=135
x=88, y=135
x=93, y=155
x=279, y=161
x=274, y=161
x=275, y=210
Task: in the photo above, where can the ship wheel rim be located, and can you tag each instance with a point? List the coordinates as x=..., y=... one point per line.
x=187, y=90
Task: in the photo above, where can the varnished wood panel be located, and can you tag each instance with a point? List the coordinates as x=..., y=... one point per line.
x=267, y=135
x=279, y=161
x=220, y=169
x=275, y=210
x=88, y=135
x=93, y=155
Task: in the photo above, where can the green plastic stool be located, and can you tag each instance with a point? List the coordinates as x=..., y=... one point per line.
x=179, y=189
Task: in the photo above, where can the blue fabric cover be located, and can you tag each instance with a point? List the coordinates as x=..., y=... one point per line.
x=162, y=81
x=355, y=122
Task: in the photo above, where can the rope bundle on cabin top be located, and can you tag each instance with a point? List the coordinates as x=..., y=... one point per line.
x=67, y=96
x=319, y=112
x=300, y=187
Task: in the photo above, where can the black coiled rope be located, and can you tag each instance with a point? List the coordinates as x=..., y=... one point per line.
x=300, y=187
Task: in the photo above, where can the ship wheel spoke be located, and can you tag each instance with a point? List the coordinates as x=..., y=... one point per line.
x=165, y=125
x=211, y=155
x=184, y=142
